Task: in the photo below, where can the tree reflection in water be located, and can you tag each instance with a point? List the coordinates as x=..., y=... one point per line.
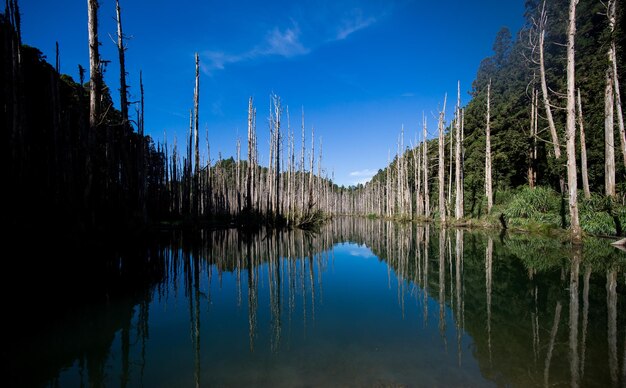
x=500, y=301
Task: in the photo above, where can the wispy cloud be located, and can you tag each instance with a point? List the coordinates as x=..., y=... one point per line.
x=408, y=94
x=355, y=23
x=363, y=173
x=362, y=176
x=284, y=43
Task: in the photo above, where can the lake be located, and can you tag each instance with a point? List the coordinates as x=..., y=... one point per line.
x=359, y=303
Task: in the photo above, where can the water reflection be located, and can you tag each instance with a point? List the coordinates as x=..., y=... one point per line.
x=296, y=308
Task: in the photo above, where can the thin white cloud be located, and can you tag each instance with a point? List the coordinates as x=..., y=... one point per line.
x=354, y=24
x=284, y=43
x=362, y=176
x=363, y=173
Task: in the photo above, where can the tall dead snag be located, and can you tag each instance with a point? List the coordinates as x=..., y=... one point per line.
x=442, y=172
x=609, y=138
x=425, y=172
x=611, y=14
x=570, y=133
x=57, y=66
x=543, y=20
x=196, y=106
x=302, y=167
x=458, y=208
x=94, y=64
x=251, y=137
x=532, y=174
x=277, y=140
x=121, y=50
x=488, y=181
x=583, y=148
x=311, y=199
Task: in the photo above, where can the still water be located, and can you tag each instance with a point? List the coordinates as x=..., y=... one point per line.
x=360, y=303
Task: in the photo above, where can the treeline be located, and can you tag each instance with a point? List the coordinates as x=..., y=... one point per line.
x=545, y=110
x=66, y=169
x=79, y=165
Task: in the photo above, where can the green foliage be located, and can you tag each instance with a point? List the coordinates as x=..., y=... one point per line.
x=533, y=203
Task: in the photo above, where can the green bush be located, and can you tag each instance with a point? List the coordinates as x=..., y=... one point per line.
x=534, y=204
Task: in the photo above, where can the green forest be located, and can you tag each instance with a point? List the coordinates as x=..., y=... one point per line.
x=540, y=145
x=528, y=164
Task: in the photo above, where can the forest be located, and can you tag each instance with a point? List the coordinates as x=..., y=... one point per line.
x=543, y=122
x=541, y=125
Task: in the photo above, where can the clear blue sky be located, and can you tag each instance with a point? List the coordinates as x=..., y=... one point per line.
x=361, y=69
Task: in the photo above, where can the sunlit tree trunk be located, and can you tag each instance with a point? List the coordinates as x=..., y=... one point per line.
x=544, y=85
x=488, y=182
x=441, y=175
x=572, y=180
x=609, y=138
x=196, y=106
x=458, y=208
x=302, y=168
x=583, y=149
x=532, y=174
x=277, y=140
x=611, y=14
x=425, y=172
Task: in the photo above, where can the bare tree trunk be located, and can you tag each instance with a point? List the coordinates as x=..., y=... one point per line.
x=451, y=153
x=302, y=167
x=311, y=199
x=488, y=182
x=544, y=85
x=533, y=139
x=196, y=106
x=571, y=125
x=57, y=66
x=609, y=140
x=442, y=178
x=458, y=208
x=425, y=174
x=583, y=149
x=94, y=65
x=611, y=14
x=277, y=114
x=388, y=185
x=250, y=156
x=121, y=50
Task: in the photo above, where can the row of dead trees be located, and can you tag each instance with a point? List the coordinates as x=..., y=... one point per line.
x=392, y=196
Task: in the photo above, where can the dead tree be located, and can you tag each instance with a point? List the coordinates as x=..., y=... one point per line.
x=95, y=86
x=571, y=125
x=488, y=181
x=196, y=106
x=251, y=137
x=533, y=140
x=425, y=172
x=442, y=173
x=543, y=20
x=583, y=149
x=609, y=137
x=611, y=14
x=121, y=53
x=277, y=140
x=458, y=208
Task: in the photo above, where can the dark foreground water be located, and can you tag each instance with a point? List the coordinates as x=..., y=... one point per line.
x=362, y=303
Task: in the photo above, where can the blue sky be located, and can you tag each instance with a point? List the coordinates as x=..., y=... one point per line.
x=361, y=69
